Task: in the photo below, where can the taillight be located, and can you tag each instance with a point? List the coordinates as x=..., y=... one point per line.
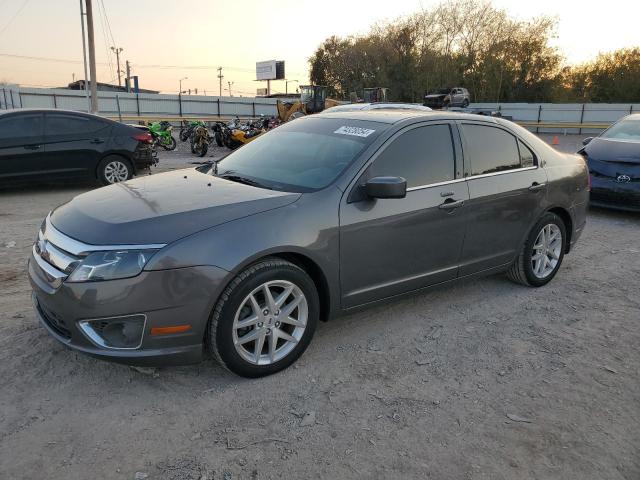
x=143, y=137
x=589, y=181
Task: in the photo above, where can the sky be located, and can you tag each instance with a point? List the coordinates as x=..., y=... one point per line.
x=166, y=40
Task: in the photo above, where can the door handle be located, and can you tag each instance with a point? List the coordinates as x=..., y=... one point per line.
x=447, y=194
x=96, y=141
x=32, y=147
x=450, y=204
x=535, y=186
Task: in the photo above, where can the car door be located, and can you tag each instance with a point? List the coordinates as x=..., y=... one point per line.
x=21, y=145
x=456, y=97
x=506, y=195
x=391, y=246
x=74, y=144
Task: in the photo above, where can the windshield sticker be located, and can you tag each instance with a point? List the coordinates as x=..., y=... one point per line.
x=354, y=131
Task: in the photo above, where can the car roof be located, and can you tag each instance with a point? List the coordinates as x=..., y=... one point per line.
x=391, y=116
x=53, y=110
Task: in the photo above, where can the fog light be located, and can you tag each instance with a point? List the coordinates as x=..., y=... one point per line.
x=117, y=332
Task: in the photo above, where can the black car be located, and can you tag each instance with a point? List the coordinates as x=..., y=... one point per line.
x=614, y=165
x=59, y=144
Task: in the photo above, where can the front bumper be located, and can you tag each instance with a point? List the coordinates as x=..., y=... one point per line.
x=166, y=297
x=607, y=193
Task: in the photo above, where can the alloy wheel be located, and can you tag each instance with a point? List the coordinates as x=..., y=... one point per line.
x=546, y=250
x=116, y=171
x=270, y=322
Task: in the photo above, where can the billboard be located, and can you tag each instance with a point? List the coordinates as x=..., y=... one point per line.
x=270, y=70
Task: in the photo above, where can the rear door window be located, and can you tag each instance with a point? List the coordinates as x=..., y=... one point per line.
x=490, y=149
x=60, y=124
x=422, y=156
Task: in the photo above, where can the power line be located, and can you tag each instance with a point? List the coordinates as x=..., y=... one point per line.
x=186, y=67
x=24, y=4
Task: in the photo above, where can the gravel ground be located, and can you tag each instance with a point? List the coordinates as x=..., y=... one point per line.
x=483, y=379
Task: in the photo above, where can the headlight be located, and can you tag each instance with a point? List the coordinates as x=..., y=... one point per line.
x=110, y=265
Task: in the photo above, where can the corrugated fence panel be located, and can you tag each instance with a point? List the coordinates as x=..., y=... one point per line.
x=162, y=105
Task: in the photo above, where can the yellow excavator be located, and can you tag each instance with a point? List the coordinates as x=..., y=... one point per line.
x=313, y=99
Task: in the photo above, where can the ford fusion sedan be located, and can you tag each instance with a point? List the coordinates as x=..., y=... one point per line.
x=614, y=165
x=318, y=217
x=56, y=145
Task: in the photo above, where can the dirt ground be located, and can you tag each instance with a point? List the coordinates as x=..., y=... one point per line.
x=480, y=380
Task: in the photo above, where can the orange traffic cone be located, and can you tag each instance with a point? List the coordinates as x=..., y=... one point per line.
x=555, y=140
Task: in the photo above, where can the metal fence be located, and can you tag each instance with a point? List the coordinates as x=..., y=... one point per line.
x=132, y=106
x=539, y=117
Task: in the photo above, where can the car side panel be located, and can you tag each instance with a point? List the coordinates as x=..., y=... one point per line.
x=21, y=156
x=75, y=154
x=308, y=227
x=568, y=189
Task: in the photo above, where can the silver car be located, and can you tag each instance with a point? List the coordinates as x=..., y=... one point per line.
x=320, y=216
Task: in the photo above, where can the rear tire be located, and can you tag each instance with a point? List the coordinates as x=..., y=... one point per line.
x=288, y=322
x=542, y=253
x=114, y=169
x=465, y=103
x=218, y=137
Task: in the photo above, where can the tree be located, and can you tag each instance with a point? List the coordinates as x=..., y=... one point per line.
x=472, y=44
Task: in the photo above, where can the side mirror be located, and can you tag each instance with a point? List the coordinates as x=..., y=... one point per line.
x=586, y=141
x=386, y=187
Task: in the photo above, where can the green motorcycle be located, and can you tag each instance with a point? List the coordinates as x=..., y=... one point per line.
x=161, y=133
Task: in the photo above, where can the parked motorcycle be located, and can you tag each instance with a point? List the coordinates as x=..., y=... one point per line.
x=187, y=128
x=200, y=140
x=161, y=133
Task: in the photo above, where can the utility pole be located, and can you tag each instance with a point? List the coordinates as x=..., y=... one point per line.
x=92, y=58
x=84, y=59
x=128, y=78
x=117, y=52
x=230, y=83
x=220, y=77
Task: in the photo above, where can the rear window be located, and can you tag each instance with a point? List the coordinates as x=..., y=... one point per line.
x=304, y=155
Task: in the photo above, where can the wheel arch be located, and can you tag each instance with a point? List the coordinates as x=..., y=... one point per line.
x=564, y=214
x=317, y=275
x=114, y=154
x=310, y=267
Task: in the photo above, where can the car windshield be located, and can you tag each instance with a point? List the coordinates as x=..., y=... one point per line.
x=300, y=156
x=624, y=130
x=440, y=91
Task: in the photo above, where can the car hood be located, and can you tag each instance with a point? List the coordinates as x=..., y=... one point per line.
x=604, y=149
x=161, y=208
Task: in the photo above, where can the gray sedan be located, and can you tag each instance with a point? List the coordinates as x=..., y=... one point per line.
x=318, y=217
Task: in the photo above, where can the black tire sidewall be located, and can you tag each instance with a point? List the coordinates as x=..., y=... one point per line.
x=224, y=334
x=547, y=218
x=203, y=150
x=105, y=161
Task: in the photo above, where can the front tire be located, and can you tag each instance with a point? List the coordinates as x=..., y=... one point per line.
x=114, y=169
x=541, y=254
x=265, y=319
x=171, y=145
